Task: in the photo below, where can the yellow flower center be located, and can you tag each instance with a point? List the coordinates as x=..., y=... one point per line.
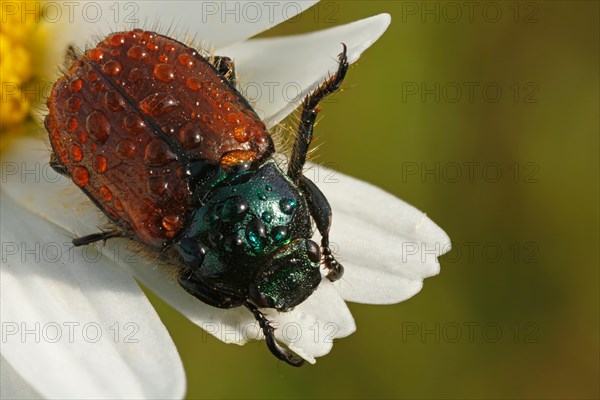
x=19, y=40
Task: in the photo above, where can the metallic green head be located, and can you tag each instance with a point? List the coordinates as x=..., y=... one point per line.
x=289, y=277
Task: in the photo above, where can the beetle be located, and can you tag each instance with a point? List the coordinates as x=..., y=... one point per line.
x=158, y=137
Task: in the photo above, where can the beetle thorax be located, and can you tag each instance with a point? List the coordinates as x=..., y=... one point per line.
x=242, y=223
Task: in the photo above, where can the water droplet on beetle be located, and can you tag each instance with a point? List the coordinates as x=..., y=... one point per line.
x=287, y=206
x=158, y=153
x=98, y=125
x=234, y=209
x=80, y=176
x=164, y=72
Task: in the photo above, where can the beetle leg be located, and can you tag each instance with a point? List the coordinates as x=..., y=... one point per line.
x=71, y=55
x=278, y=351
x=95, y=237
x=225, y=67
x=321, y=212
x=57, y=166
x=309, y=115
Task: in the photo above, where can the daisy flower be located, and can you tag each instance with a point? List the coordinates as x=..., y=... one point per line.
x=75, y=323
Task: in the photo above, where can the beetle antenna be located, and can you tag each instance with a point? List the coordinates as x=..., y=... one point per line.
x=277, y=350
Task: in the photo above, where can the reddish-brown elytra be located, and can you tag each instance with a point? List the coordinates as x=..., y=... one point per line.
x=159, y=138
x=134, y=107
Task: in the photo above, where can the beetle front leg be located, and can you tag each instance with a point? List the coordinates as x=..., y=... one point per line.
x=309, y=115
x=276, y=349
x=321, y=212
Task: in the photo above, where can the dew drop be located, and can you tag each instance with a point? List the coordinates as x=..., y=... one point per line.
x=116, y=40
x=287, y=206
x=112, y=68
x=158, y=103
x=97, y=86
x=157, y=185
x=81, y=137
x=164, y=72
x=194, y=83
x=163, y=58
x=215, y=238
x=267, y=217
x=106, y=193
x=186, y=60
x=76, y=154
x=100, y=164
x=133, y=34
x=233, y=118
x=169, y=48
x=98, y=125
x=256, y=233
x=114, y=101
x=72, y=124
x=92, y=76
x=234, y=209
x=76, y=85
x=279, y=234
x=190, y=136
x=158, y=153
x=261, y=195
x=95, y=54
x=232, y=243
x=125, y=149
x=134, y=124
x=151, y=46
x=80, y=176
x=136, y=75
x=118, y=205
x=137, y=52
x=211, y=217
x=73, y=104
x=115, y=53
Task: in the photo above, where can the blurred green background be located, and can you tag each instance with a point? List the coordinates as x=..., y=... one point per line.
x=485, y=115
x=513, y=179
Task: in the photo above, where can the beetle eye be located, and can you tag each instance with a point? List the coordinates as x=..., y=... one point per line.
x=313, y=250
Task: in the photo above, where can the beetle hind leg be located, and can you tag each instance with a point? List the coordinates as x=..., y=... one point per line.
x=57, y=166
x=95, y=237
x=276, y=349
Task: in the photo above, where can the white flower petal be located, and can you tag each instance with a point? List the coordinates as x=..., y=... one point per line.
x=13, y=386
x=58, y=200
x=386, y=245
x=213, y=23
x=310, y=328
x=275, y=74
x=61, y=307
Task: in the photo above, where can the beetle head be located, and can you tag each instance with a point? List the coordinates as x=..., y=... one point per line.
x=288, y=277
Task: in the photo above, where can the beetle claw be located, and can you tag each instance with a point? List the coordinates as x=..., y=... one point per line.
x=276, y=349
